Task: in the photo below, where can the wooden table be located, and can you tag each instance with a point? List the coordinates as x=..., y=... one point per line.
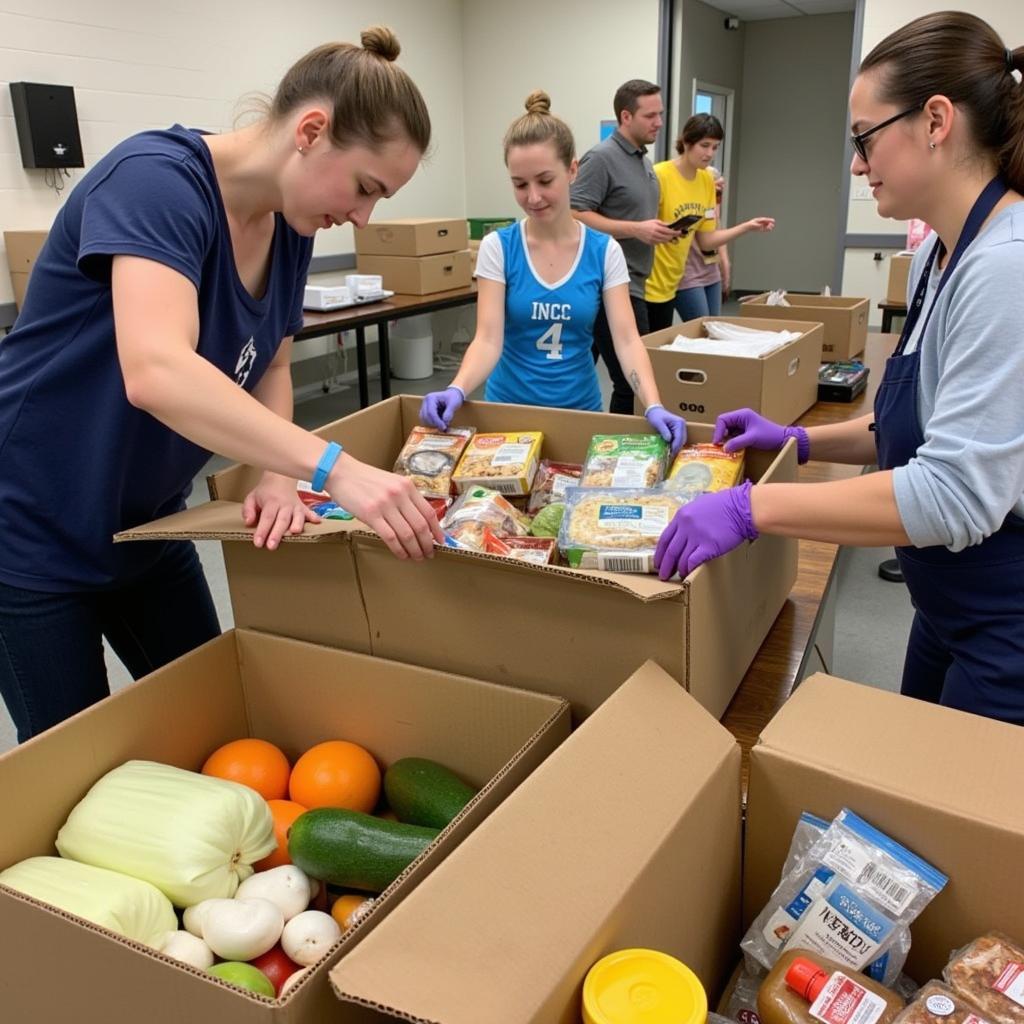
x=784, y=657
x=890, y=310
x=378, y=314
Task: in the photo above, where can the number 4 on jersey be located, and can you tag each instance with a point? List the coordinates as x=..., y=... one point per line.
x=551, y=341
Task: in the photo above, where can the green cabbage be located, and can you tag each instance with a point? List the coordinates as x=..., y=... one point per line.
x=547, y=521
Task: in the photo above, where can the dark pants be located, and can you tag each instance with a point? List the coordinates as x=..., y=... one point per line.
x=622, y=393
x=51, y=650
x=659, y=314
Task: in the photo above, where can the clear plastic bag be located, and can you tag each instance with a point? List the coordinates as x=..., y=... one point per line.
x=851, y=897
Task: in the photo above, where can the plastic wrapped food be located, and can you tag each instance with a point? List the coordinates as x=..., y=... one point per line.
x=935, y=1003
x=429, y=458
x=478, y=508
x=852, y=897
x=614, y=528
x=990, y=973
x=506, y=463
x=538, y=550
x=625, y=460
x=321, y=502
x=550, y=483
x=703, y=468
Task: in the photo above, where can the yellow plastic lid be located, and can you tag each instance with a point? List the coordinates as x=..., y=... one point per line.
x=643, y=986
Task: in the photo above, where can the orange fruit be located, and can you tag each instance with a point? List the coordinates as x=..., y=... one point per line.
x=254, y=763
x=336, y=774
x=284, y=812
x=345, y=906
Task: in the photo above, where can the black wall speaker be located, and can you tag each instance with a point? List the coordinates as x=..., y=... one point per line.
x=47, y=123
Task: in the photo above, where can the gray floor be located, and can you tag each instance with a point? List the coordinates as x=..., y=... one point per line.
x=872, y=616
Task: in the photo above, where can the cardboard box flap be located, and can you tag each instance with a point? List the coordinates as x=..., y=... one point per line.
x=639, y=784
x=895, y=746
x=944, y=783
x=222, y=520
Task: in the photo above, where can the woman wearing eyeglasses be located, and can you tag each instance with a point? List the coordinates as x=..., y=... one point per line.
x=938, y=115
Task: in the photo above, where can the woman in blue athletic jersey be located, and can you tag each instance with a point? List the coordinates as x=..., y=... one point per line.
x=157, y=328
x=541, y=282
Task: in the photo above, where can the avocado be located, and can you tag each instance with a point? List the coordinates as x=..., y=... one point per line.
x=423, y=792
x=355, y=850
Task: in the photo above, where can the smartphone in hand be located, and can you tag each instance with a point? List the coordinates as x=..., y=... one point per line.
x=685, y=223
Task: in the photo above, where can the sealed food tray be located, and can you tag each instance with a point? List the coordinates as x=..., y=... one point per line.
x=841, y=382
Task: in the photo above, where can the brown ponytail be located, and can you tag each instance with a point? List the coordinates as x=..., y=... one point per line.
x=959, y=56
x=373, y=100
x=538, y=124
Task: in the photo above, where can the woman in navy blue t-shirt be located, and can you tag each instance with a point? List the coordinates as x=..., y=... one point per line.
x=157, y=328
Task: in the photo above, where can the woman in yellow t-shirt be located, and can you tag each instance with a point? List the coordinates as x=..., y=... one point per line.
x=688, y=195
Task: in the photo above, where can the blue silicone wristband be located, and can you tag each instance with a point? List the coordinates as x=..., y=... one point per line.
x=326, y=464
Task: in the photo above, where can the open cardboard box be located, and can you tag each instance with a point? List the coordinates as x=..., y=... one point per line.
x=845, y=320
x=781, y=386
x=899, y=276
x=56, y=967
x=630, y=835
x=490, y=617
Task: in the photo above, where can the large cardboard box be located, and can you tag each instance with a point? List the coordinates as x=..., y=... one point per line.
x=630, y=835
x=423, y=275
x=899, y=276
x=845, y=320
x=490, y=617
x=781, y=386
x=22, y=249
x=55, y=967
x=414, y=236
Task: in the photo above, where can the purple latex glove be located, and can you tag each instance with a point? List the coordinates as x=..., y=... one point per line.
x=748, y=429
x=707, y=527
x=439, y=407
x=671, y=427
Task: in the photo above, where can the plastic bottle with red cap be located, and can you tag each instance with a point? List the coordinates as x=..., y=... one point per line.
x=805, y=988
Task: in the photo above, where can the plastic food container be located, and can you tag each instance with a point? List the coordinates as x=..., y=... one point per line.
x=643, y=986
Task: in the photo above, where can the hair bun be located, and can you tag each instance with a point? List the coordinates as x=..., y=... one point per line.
x=538, y=102
x=380, y=40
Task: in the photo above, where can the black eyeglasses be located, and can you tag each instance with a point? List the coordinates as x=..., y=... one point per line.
x=859, y=141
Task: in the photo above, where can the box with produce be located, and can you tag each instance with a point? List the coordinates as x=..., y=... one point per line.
x=252, y=842
x=625, y=460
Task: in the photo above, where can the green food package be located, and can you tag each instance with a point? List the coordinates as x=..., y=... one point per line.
x=637, y=461
x=548, y=521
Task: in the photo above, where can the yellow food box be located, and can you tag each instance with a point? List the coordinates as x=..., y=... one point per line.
x=703, y=468
x=506, y=463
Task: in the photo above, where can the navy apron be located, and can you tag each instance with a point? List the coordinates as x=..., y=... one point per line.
x=966, y=647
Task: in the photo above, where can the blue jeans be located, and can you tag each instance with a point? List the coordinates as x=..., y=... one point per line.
x=51, y=650
x=704, y=300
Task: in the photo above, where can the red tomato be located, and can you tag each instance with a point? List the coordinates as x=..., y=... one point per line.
x=276, y=965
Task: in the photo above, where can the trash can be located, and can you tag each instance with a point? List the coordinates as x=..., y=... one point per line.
x=412, y=348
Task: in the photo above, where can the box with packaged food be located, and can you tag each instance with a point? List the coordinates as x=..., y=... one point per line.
x=505, y=462
x=429, y=458
x=703, y=468
x=625, y=460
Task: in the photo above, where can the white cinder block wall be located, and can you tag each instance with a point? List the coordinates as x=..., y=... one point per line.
x=139, y=65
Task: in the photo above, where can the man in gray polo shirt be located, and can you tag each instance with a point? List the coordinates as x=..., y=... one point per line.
x=616, y=192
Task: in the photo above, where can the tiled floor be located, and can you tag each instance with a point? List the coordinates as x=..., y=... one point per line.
x=873, y=616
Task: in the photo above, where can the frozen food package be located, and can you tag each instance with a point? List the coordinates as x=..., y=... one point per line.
x=851, y=897
x=429, y=458
x=550, y=483
x=506, y=463
x=703, y=468
x=990, y=973
x=478, y=508
x=537, y=550
x=614, y=528
x=936, y=1003
x=625, y=460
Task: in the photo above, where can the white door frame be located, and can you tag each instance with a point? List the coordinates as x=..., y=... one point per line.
x=730, y=102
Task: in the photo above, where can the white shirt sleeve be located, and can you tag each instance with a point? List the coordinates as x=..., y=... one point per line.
x=490, y=260
x=615, y=270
